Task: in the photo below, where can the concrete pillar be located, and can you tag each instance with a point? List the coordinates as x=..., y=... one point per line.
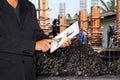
x=118, y=22
x=62, y=17
x=43, y=15
x=62, y=23
x=83, y=19
x=96, y=34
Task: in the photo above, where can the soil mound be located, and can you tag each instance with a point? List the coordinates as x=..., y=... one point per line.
x=76, y=60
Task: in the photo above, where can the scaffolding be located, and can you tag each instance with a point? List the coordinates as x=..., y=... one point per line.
x=62, y=17
x=43, y=19
x=96, y=34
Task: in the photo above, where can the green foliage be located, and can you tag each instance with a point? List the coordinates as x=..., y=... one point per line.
x=69, y=16
x=76, y=16
x=108, y=6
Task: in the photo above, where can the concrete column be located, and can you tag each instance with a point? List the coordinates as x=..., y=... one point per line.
x=96, y=35
x=118, y=22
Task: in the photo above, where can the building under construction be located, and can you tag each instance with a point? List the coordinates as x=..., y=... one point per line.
x=99, y=56
x=94, y=33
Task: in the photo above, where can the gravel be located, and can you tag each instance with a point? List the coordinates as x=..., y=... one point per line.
x=76, y=60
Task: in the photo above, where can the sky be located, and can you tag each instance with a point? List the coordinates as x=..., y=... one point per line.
x=72, y=6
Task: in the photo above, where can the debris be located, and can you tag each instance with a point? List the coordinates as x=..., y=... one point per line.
x=76, y=60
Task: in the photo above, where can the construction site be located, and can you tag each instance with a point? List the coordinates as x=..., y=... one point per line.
x=98, y=56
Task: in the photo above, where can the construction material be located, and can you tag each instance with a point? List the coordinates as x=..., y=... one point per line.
x=83, y=15
x=118, y=22
x=83, y=18
x=43, y=19
x=62, y=17
x=62, y=23
x=96, y=34
x=75, y=60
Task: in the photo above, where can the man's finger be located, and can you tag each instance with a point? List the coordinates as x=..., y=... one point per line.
x=63, y=46
x=51, y=40
x=69, y=41
x=72, y=38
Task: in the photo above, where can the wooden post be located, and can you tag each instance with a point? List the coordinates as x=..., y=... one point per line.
x=96, y=33
x=118, y=22
x=43, y=15
x=62, y=17
x=83, y=19
x=62, y=23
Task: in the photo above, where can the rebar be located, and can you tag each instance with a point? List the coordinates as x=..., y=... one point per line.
x=62, y=8
x=95, y=2
x=83, y=5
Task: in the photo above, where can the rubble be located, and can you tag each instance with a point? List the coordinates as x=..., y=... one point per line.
x=76, y=60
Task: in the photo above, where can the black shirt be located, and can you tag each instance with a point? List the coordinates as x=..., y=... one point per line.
x=17, y=12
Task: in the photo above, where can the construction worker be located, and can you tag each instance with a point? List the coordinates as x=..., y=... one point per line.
x=111, y=34
x=82, y=36
x=55, y=27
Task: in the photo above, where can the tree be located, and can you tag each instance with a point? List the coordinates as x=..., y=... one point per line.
x=76, y=16
x=69, y=16
x=109, y=6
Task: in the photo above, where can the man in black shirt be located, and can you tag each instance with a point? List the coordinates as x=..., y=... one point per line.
x=20, y=37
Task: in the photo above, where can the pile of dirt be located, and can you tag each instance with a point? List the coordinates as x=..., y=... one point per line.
x=76, y=60
x=114, y=67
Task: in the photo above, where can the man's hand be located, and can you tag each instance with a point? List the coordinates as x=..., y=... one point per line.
x=66, y=43
x=44, y=45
